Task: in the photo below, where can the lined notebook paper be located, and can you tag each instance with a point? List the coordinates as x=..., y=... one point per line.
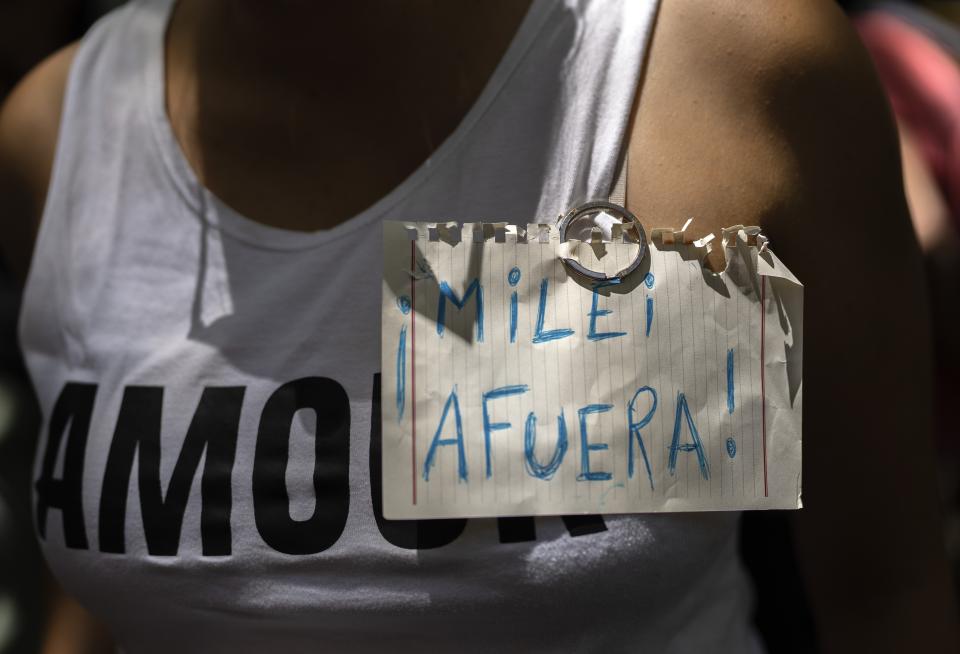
x=512, y=388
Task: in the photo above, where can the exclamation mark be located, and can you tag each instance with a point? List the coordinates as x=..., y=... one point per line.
x=731, y=403
x=403, y=303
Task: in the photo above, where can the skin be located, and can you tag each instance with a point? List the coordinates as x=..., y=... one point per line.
x=759, y=112
x=773, y=116
x=941, y=248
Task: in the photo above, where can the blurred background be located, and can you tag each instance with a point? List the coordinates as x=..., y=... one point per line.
x=915, y=47
x=30, y=30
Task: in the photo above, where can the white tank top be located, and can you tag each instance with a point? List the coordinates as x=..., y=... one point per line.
x=208, y=474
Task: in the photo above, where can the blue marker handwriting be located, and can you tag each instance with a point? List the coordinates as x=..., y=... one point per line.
x=512, y=386
x=640, y=411
x=472, y=295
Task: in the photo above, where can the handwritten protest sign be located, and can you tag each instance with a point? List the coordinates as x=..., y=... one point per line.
x=511, y=388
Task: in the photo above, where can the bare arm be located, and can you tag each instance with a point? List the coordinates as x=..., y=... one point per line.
x=29, y=122
x=70, y=627
x=768, y=113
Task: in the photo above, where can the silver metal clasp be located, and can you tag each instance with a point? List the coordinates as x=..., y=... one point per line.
x=627, y=218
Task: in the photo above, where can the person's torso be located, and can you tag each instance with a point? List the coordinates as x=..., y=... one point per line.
x=208, y=475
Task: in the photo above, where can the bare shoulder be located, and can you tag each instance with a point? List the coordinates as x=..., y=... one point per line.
x=29, y=124
x=769, y=112
x=764, y=111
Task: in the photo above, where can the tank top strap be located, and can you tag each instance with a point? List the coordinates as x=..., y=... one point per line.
x=102, y=130
x=600, y=80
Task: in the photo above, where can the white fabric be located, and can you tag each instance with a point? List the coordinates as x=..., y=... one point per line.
x=142, y=278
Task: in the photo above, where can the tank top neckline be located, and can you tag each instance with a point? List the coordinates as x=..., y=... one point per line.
x=219, y=215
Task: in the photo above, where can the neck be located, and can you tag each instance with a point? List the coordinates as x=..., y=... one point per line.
x=281, y=94
x=371, y=38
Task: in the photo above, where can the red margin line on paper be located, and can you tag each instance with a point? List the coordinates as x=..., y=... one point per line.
x=413, y=368
x=763, y=395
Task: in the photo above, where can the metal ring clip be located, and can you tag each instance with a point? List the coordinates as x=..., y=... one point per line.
x=609, y=207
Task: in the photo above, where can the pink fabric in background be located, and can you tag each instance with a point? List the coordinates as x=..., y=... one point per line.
x=923, y=84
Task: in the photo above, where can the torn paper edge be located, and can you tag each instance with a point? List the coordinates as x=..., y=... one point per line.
x=664, y=238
